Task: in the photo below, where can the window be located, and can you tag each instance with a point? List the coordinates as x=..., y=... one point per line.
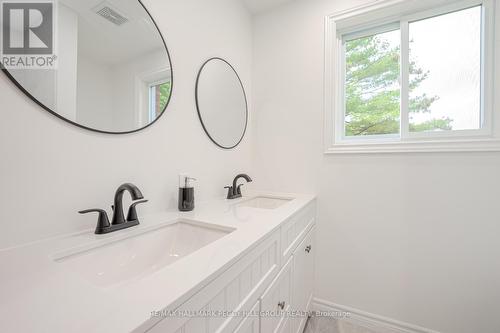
x=159, y=94
x=421, y=77
x=153, y=91
x=445, y=90
x=372, y=89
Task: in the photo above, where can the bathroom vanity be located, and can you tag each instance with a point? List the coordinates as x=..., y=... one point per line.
x=242, y=265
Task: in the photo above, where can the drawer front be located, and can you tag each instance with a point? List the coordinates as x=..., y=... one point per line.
x=276, y=302
x=303, y=276
x=287, y=326
x=237, y=289
x=293, y=230
x=251, y=324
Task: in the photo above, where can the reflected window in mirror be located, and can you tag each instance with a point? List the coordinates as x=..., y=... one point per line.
x=109, y=55
x=159, y=94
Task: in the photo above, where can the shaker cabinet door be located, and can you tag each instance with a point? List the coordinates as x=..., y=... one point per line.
x=275, y=303
x=303, y=276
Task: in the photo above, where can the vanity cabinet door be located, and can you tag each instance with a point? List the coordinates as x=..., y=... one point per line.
x=303, y=276
x=294, y=230
x=251, y=323
x=275, y=303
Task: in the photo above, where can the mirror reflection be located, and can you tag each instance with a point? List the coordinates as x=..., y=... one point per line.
x=112, y=71
x=221, y=102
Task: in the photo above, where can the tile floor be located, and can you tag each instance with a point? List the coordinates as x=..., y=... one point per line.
x=332, y=325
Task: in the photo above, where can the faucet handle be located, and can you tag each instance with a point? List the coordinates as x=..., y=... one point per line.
x=132, y=212
x=238, y=189
x=229, y=191
x=102, y=221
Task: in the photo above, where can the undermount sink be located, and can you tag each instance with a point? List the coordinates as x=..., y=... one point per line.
x=127, y=259
x=264, y=202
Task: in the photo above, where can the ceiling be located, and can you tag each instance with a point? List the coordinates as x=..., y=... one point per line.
x=108, y=44
x=258, y=6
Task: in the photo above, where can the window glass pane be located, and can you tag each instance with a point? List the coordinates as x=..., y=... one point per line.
x=160, y=95
x=445, y=72
x=372, y=90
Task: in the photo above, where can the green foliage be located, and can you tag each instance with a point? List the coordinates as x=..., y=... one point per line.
x=165, y=90
x=373, y=91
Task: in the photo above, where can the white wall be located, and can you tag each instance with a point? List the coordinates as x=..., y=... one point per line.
x=49, y=169
x=95, y=107
x=67, y=59
x=131, y=103
x=413, y=237
x=108, y=95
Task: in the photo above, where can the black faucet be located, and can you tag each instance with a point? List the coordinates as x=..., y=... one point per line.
x=118, y=221
x=118, y=217
x=234, y=192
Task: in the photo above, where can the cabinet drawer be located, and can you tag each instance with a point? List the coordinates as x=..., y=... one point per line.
x=251, y=323
x=293, y=230
x=237, y=289
x=276, y=301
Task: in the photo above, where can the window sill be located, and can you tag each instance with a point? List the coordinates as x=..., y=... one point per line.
x=483, y=145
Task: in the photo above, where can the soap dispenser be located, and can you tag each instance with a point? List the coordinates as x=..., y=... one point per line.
x=186, y=193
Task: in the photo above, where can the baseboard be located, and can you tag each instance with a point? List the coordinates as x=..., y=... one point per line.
x=368, y=320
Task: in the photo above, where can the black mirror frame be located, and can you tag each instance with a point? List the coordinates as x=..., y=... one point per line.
x=198, y=105
x=34, y=99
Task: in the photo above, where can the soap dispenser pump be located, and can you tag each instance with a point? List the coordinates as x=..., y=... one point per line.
x=186, y=193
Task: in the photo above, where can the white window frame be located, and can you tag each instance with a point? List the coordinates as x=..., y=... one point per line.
x=387, y=15
x=143, y=83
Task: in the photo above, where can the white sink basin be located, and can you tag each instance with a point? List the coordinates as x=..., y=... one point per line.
x=264, y=202
x=136, y=256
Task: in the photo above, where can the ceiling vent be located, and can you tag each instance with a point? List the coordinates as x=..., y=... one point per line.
x=106, y=11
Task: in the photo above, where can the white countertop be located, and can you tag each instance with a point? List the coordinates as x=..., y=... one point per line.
x=38, y=294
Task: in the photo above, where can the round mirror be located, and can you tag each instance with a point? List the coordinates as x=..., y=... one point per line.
x=221, y=103
x=100, y=65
